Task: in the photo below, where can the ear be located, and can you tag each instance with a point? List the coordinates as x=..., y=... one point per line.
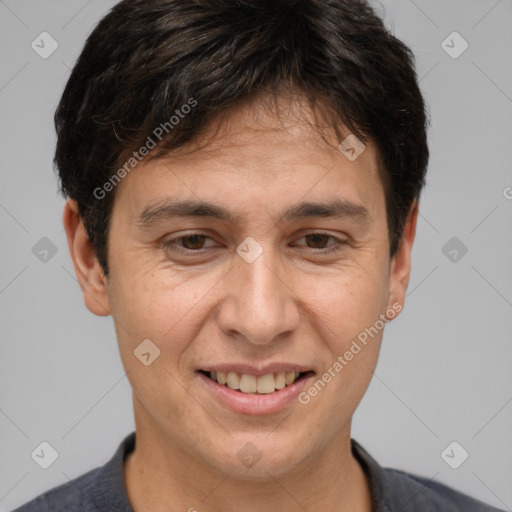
x=88, y=270
x=400, y=270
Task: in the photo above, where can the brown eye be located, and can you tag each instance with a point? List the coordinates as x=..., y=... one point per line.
x=319, y=240
x=193, y=242
x=319, y=243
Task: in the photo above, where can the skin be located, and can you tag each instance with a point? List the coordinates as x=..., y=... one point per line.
x=289, y=305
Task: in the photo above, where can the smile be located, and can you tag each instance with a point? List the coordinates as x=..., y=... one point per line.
x=247, y=383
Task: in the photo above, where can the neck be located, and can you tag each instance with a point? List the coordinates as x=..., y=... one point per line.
x=159, y=476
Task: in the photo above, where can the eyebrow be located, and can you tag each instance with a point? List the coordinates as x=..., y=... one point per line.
x=167, y=210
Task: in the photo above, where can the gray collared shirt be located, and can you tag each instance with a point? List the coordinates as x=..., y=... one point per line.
x=103, y=489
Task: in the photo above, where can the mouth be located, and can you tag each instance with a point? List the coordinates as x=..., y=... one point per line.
x=250, y=384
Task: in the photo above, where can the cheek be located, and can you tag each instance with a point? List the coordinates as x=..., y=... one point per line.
x=347, y=309
x=345, y=303
x=162, y=305
x=164, y=308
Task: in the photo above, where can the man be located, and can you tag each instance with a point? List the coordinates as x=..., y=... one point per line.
x=243, y=180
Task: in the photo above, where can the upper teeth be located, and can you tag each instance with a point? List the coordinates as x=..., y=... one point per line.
x=252, y=384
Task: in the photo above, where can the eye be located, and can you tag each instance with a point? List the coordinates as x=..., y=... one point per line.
x=319, y=241
x=194, y=243
x=186, y=244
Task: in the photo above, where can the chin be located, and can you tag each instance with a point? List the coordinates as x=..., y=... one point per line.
x=258, y=458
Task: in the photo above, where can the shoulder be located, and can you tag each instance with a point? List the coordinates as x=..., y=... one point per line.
x=99, y=489
x=72, y=495
x=414, y=493
x=393, y=489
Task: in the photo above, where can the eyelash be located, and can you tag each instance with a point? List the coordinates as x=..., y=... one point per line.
x=172, y=245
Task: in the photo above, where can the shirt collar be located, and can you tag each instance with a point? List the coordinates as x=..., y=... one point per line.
x=376, y=477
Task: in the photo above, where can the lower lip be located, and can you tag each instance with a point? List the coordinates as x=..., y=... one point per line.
x=254, y=404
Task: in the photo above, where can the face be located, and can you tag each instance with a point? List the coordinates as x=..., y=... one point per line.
x=257, y=285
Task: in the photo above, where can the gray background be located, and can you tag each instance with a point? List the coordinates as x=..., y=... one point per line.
x=444, y=372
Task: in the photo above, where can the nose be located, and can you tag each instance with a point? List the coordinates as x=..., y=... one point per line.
x=259, y=305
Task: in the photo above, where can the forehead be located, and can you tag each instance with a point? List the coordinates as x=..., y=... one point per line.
x=265, y=150
x=265, y=124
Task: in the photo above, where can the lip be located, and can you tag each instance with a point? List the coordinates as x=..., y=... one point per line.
x=253, y=404
x=257, y=371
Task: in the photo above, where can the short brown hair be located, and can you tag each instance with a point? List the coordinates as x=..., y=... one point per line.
x=147, y=58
